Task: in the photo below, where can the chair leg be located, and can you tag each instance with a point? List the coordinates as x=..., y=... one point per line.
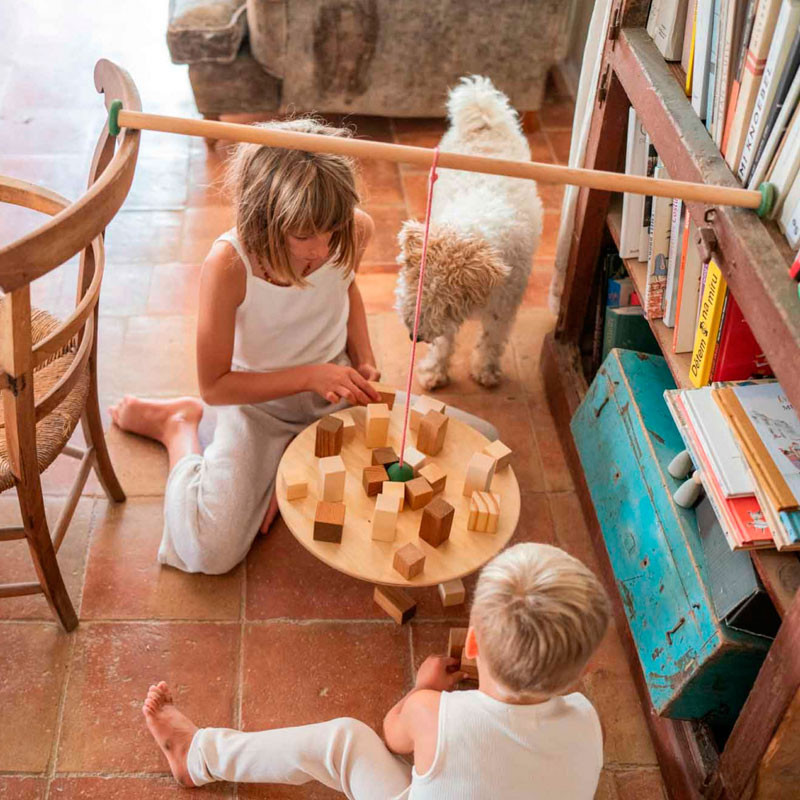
x=92, y=425
x=31, y=504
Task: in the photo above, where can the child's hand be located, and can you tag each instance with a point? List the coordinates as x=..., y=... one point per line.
x=336, y=383
x=370, y=372
x=439, y=673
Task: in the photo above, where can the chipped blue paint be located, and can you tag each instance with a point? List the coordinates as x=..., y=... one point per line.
x=695, y=666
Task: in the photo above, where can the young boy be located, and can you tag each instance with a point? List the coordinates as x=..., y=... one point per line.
x=537, y=616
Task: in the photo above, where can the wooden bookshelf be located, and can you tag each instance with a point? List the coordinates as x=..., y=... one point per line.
x=754, y=259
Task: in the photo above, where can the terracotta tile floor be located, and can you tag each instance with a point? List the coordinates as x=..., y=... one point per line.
x=282, y=639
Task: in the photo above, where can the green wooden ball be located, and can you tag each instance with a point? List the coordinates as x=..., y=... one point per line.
x=399, y=474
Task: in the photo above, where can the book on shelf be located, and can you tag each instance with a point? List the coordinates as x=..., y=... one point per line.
x=738, y=355
x=713, y=52
x=789, y=218
x=738, y=70
x=627, y=329
x=688, y=290
x=688, y=38
x=668, y=28
x=647, y=203
x=652, y=17
x=779, y=51
x=687, y=88
x=709, y=315
x=786, y=165
x=763, y=25
x=794, y=270
x=702, y=56
x=633, y=204
x=673, y=263
x=619, y=292
x=658, y=252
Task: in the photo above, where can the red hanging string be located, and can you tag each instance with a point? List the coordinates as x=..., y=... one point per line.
x=432, y=176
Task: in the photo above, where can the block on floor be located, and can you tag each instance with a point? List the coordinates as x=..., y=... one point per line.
x=435, y=476
x=436, y=522
x=409, y=561
x=452, y=593
x=331, y=479
x=399, y=605
x=329, y=438
x=480, y=472
x=432, y=433
x=418, y=493
x=377, y=425
x=500, y=453
x=329, y=522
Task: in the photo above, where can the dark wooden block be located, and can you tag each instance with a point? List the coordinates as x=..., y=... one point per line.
x=418, y=493
x=432, y=431
x=456, y=640
x=330, y=435
x=372, y=479
x=399, y=605
x=409, y=561
x=383, y=456
x=386, y=392
x=329, y=521
x=437, y=519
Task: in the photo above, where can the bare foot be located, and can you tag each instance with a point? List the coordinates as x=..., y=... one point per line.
x=157, y=419
x=272, y=512
x=172, y=730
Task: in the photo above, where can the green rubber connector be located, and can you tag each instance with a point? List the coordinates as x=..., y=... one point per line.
x=767, y=200
x=113, y=117
x=400, y=474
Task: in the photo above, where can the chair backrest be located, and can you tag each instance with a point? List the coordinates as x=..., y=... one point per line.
x=74, y=227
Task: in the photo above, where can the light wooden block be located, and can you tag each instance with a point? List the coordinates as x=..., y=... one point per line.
x=397, y=490
x=436, y=522
x=452, y=593
x=331, y=479
x=399, y=605
x=330, y=435
x=484, y=512
x=372, y=479
x=418, y=493
x=435, y=476
x=432, y=432
x=409, y=561
x=377, y=425
x=294, y=487
x=384, y=456
x=348, y=425
x=500, y=453
x=329, y=522
x=386, y=392
x=421, y=407
x=384, y=518
x=414, y=459
x=480, y=472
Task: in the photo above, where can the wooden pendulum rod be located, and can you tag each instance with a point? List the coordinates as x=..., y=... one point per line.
x=760, y=200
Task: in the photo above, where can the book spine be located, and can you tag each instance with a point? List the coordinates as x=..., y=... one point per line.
x=794, y=270
x=787, y=165
x=720, y=329
x=739, y=72
x=712, y=68
x=660, y=221
x=635, y=156
x=688, y=30
x=707, y=326
x=647, y=204
x=705, y=21
x=681, y=279
x=790, y=224
x=673, y=263
x=730, y=28
x=690, y=69
x=668, y=36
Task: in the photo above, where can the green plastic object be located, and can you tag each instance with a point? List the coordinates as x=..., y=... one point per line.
x=113, y=117
x=767, y=199
x=400, y=474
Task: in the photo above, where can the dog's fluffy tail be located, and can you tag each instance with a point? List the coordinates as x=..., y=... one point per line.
x=475, y=105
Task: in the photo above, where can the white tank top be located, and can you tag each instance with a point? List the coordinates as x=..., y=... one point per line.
x=488, y=749
x=288, y=326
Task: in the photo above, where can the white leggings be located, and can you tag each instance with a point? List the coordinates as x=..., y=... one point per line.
x=343, y=754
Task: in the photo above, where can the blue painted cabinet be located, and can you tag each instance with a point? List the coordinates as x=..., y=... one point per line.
x=695, y=665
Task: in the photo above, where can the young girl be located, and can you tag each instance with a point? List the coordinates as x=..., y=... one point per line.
x=281, y=341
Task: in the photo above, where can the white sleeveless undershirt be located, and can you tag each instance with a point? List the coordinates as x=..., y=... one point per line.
x=289, y=326
x=488, y=749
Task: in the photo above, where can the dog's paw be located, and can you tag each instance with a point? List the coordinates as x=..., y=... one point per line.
x=487, y=375
x=431, y=379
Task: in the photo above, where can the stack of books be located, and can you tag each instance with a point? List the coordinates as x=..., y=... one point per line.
x=741, y=60
x=744, y=438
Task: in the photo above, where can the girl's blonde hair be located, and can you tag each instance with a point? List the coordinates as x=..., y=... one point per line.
x=539, y=614
x=279, y=192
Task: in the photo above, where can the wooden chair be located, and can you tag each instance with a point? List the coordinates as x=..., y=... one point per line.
x=48, y=367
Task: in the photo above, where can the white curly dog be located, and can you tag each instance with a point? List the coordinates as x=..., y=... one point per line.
x=484, y=232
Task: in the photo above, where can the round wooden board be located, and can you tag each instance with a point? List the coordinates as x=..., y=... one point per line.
x=358, y=555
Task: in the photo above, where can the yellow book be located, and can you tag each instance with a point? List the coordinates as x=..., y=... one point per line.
x=690, y=69
x=705, y=340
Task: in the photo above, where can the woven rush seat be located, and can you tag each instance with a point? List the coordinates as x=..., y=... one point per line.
x=53, y=432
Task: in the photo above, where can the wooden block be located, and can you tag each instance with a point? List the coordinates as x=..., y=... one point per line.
x=432, y=431
x=386, y=392
x=480, y=472
x=384, y=518
x=500, y=453
x=421, y=407
x=372, y=480
x=414, y=459
x=437, y=519
x=330, y=435
x=384, y=456
x=484, y=512
x=452, y=593
x=348, y=425
x=396, y=490
x=294, y=487
x=470, y=666
x=418, y=493
x=328, y=522
x=399, y=605
x=377, y=426
x=409, y=561
x=331, y=479
x=455, y=649
x=435, y=476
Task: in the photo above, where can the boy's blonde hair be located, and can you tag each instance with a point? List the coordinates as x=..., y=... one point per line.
x=278, y=192
x=539, y=614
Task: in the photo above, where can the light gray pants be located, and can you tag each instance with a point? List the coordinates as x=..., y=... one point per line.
x=216, y=502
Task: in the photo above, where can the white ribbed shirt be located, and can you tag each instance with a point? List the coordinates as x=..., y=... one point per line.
x=489, y=749
x=288, y=326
